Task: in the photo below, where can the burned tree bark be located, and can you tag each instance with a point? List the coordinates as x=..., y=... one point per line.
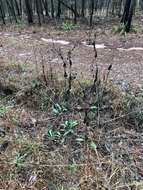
x=29, y=11
x=59, y=9
x=72, y=8
x=128, y=14
x=83, y=8
x=38, y=11
x=52, y=8
x=2, y=14
x=91, y=11
x=46, y=7
x=75, y=8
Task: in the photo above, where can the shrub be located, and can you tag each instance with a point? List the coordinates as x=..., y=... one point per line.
x=69, y=26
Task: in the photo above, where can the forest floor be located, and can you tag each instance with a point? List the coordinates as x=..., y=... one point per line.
x=26, y=46
x=62, y=133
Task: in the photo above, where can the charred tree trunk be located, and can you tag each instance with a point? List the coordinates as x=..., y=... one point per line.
x=41, y=10
x=128, y=14
x=52, y=8
x=38, y=11
x=29, y=11
x=11, y=9
x=71, y=8
x=17, y=8
x=83, y=8
x=45, y=4
x=120, y=8
x=59, y=9
x=96, y=5
x=2, y=12
x=75, y=11
x=20, y=6
x=91, y=11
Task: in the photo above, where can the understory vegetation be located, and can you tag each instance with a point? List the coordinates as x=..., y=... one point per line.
x=64, y=132
x=71, y=95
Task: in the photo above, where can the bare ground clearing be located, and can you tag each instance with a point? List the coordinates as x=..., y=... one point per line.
x=27, y=47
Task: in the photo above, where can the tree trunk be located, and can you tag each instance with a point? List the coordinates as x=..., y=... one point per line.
x=120, y=8
x=128, y=14
x=2, y=12
x=59, y=9
x=20, y=6
x=52, y=8
x=83, y=8
x=38, y=11
x=29, y=11
x=17, y=8
x=91, y=11
x=45, y=4
x=75, y=12
x=10, y=5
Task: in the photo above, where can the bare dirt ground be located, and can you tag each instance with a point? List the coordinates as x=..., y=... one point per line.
x=26, y=46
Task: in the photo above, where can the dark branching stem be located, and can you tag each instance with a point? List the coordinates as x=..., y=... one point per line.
x=43, y=70
x=67, y=63
x=95, y=57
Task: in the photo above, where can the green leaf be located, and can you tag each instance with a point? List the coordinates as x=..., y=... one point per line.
x=4, y=110
x=35, y=83
x=53, y=134
x=57, y=109
x=71, y=123
x=72, y=167
x=93, y=109
x=57, y=134
x=64, y=109
x=93, y=145
x=68, y=132
x=50, y=133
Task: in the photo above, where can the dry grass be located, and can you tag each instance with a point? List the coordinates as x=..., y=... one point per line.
x=68, y=133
